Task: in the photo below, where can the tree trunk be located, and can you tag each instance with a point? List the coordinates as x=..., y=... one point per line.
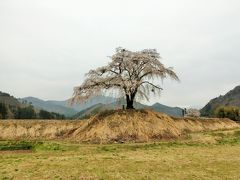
x=130, y=105
x=130, y=101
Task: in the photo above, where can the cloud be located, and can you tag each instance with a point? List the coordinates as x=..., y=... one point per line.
x=46, y=47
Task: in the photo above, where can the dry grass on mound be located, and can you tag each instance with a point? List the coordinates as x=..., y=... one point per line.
x=37, y=129
x=143, y=126
x=112, y=126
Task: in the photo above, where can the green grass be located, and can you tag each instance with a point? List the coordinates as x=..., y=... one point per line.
x=34, y=146
x=233, y=139
x=15, y=145
x=208, y=155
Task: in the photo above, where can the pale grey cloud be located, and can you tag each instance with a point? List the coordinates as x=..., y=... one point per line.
x=46, y=46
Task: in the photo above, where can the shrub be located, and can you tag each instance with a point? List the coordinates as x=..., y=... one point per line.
x=230, y=112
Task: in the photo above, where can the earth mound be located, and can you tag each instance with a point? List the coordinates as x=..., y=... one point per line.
x=112, y=126
x=143, y=126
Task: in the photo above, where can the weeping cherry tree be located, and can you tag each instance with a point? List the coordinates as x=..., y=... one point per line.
x=131, y=74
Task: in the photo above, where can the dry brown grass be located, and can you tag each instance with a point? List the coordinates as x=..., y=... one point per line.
x=194, y=158
x=163, y=160
x=110, y=127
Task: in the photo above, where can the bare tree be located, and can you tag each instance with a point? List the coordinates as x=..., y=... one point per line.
x=131, y=74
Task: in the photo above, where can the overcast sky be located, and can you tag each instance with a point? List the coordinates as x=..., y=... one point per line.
x=46, y=46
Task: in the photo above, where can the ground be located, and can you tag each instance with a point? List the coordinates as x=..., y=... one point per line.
x=206, y=155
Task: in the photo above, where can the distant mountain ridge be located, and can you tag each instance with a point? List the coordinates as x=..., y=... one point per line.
x=8, y=99
x=63, y=107
x=79, y=107
x=94, y=105
x=172, y=111
x=10, y=102
x=50, y=106
x=232, y=98
x=13, y=108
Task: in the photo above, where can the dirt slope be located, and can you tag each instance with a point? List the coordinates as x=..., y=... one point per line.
x=109, y=127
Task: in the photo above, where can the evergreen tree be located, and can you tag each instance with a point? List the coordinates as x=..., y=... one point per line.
x=3, y=111
x=45, y=115
x=25, y=113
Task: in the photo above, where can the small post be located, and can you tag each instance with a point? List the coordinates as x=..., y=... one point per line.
x=184, y=112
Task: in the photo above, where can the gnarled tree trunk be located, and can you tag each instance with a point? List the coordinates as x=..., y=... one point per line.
x=130, y=100
x=130, y=104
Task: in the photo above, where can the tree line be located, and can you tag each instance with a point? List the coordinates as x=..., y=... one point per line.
x=27, y=112
x=231, y=112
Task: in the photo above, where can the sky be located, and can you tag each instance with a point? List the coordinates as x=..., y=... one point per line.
x=46, y=46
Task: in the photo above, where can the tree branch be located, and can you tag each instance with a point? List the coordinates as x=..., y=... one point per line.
x=151, y=85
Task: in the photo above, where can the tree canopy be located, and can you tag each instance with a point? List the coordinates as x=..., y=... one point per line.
x=129, y=73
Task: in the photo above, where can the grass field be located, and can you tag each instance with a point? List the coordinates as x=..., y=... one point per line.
x=209, y=155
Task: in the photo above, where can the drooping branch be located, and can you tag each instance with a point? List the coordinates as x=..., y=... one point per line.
x=155, y=86
x=129, y=72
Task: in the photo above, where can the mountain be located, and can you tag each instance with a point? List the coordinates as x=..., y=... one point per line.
x=63, y=107
x=49, y=106
x=232, y=98
x=95, y=105
x=8, y=99
x=99, y=107
x=9, y=105
x=93, y=101
x=172, y=111
x=90, y=111
x=13, y=108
